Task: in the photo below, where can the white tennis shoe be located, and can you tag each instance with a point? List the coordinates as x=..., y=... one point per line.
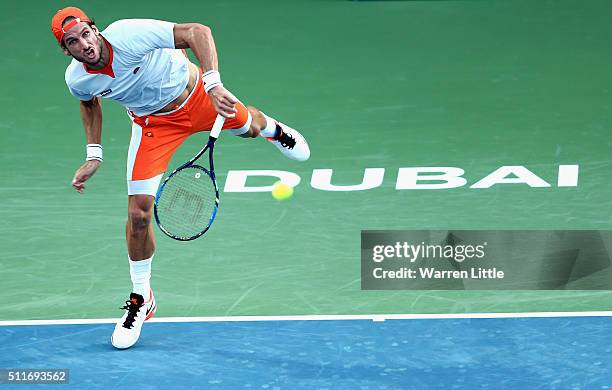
x=137, y=311
x=290, y=142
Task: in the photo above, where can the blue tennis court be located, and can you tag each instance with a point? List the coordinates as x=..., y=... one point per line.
x=507, y=353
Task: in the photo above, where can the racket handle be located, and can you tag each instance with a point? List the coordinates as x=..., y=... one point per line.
x=216, y=129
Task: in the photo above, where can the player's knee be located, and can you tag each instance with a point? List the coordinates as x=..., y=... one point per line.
x=139, y=219
x=254, y=131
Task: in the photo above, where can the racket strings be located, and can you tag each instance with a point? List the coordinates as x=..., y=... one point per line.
x=188, y=202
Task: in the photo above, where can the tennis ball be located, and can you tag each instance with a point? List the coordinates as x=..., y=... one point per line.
x=281, y=191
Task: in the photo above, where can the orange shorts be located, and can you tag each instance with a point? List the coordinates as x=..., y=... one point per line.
x=155, y=138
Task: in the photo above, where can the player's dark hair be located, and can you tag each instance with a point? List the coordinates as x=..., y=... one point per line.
x=69, y=18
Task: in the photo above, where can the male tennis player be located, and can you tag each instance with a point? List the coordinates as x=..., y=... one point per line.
x=139, y=63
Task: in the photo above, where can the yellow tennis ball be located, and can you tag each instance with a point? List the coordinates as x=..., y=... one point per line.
x=281, y=191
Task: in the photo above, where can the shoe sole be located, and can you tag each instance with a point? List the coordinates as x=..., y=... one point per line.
x=116, y=346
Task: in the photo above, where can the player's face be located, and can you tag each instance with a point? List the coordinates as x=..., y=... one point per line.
x=83, y=42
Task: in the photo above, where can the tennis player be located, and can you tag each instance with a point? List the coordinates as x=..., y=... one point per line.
x=142, y=65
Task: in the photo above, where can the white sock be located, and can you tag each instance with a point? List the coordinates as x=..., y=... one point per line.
x=270, y=130
x=140, y=272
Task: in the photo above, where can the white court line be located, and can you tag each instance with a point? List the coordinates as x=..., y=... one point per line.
x=372, y=317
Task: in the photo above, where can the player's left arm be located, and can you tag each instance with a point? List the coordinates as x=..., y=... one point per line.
x=91, y=115
x=199, y=39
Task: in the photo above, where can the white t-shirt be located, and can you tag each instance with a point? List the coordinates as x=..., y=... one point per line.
x=146, y=72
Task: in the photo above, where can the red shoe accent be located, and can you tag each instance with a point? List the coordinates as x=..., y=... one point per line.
x=154, y=308
x=151, y=313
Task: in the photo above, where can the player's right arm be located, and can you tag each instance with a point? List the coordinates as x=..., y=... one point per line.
x=91, y=115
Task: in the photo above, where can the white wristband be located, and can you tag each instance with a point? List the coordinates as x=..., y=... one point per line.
x=211, y=79
x=94, y=152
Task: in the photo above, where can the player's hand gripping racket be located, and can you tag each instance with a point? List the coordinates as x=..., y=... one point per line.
x=187, y=201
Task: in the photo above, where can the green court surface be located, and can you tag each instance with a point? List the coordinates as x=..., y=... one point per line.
x=469, y=84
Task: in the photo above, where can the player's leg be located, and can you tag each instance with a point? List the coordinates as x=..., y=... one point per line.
x=139, y=229
x=141, y=244
x=140, y=239
x=151, y=148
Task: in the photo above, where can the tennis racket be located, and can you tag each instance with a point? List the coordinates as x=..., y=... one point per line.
x=187, y=201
